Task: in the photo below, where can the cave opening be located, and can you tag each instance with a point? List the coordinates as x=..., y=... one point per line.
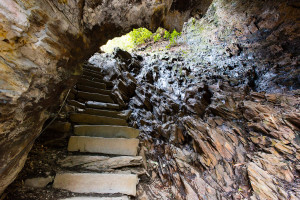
x=206, y=107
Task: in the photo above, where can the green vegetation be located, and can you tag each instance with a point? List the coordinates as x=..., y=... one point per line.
x=172, y=38
x=167, y=35
x=157, y=37
x=140, y=36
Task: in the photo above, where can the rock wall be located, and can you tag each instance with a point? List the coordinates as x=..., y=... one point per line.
x=263, y=35
x=204, y=137
x=219, y=113
x=43, y=43
x=42, y=46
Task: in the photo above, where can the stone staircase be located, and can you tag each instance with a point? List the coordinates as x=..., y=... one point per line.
x=102, y=145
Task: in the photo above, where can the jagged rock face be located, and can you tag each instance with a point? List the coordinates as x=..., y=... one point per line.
x=242, y=34
x=219, y=114
x=42, y=44
x=207, y=139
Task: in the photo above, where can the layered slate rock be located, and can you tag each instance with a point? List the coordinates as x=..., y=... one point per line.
x=117, y=146
x=92, y=89
x=48, y=39
x=111, y=137
x=95, y=119
x=90, y=83
x=101, y=162
x=97, y=183
x=100, y=105
x=51, y=39
x=106, y=113
x=95, y=97
x=98, y=198
x=106, y=131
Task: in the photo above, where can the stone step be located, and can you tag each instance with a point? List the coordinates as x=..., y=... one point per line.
x=97, y=183
x=92, y=73
x=115, y=146
x=98, y=198
x=91, y=67
x=100, y=162
x=96, y=120
x=107, y=113
x=87, y=82
x=93, y=90
x=95, y=79
x=100, y=80
x=100, y=105
x=76, y=104
x=106, y=131
x=95, y=97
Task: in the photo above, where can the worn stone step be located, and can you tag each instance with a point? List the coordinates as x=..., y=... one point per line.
x=92, y=73
x=100, y=105
x=100, y=162
x=76, y=104
x=107, y=113
x=95, y=97
x=99, y=80
x=106, y=131
x=93, y=90
x=115, y=146
x=87, y=82
x=92, y=68
x=97, y=183
x=98, y=198
x=96, y=120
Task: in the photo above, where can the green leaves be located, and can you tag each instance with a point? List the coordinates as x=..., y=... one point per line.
x=172, y=38
x=140, y=35
x=156, y=37
x=167, y=35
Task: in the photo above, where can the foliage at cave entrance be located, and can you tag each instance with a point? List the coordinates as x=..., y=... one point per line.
x=140, y=36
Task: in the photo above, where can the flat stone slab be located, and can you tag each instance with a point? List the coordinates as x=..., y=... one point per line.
x=92, y=73
x=98, y=198
x=38, y=182
x=92, y=78
x=99, y=80
x=92, y=68
x=101, y=162
x=106, y=131
x=116, y=146
x=97, y=120
x=100, y=105
x=97, y=183
x=107, y=113
x=92, y=89
x=76, y=104
x=95, y=97
x=86, y=82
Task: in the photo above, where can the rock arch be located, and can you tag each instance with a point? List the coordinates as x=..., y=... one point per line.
x=42, y=44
